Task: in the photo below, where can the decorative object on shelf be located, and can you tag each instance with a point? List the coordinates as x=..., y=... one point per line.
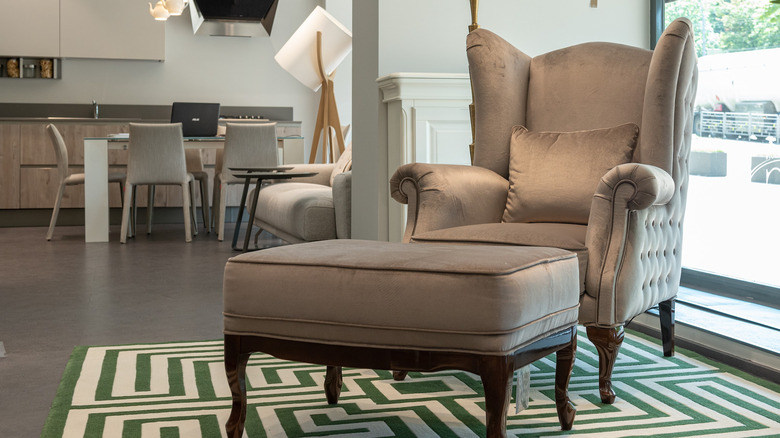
x=164, y=9
x=12, y=67
x=47, y=68
x=311, y=55
x=159, y=12
x=30, y=70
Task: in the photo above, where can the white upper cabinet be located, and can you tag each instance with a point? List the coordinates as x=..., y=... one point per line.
x=30, y=28
x=109, y=29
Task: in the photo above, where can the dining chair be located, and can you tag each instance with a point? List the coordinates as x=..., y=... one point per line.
x=156, y=157
x=194, y=158
x=246, y=145
x=69, y=179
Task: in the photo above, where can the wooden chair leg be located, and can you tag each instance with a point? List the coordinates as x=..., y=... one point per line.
x=496, y=374
x=399, y=375
x=56, y=212
x=235, y=368
x=666, y=315
x=563, y=368
x=333, y=383
x=607, y=342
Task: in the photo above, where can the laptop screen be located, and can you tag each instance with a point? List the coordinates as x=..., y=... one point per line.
x=197, y=119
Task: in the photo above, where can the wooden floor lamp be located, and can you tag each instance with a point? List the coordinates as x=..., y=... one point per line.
x=311, y=55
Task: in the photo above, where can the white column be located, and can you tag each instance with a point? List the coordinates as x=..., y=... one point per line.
x=96, y=190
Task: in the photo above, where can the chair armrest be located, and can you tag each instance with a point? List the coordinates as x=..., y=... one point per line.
x=322, y=177
x=342, y=204
x=447, y=195
x=631, y=243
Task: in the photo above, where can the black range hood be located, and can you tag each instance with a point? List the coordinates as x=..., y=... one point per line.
x=238, y=18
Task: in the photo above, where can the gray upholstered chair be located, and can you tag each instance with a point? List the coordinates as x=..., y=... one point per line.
x=156, y=157
x=309, y=209
x=599, y=167
x=69, y=179
x=246, y=145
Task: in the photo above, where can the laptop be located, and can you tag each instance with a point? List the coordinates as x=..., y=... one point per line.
x=197, y=119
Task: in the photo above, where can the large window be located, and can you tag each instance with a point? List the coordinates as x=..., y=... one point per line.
x=732, y=225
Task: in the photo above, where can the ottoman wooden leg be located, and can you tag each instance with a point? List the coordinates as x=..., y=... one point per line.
x=496, y=374
x=563, y=368
x=399, y=375
x=235, y=368
x=607, y=342
x=333, y=382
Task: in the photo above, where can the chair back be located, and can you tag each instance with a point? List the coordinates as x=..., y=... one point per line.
x=60, y=151
x=156, y=154
x=583, y=87
x=248, y=145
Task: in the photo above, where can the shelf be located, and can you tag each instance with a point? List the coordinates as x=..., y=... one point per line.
x=29, y=67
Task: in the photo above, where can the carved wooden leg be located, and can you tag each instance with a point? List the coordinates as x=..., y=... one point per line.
x=607, y=342
x=333, y=383
x=235, y=368
x=666, y=314
x=399, y=375
x=563, y=368
x=496, y=374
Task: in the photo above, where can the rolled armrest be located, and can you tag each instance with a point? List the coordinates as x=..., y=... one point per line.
x=447, y=195
x=630, y=238
x=342, y=204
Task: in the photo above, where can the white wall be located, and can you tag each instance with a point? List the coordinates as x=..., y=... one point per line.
x=232, y=71
x=429, y=36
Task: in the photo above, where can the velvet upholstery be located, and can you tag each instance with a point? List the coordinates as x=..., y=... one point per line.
x=633, y=235
x=394, y=295
x=553, y=175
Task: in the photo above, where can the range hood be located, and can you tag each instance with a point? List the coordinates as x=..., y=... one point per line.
x=236, y=18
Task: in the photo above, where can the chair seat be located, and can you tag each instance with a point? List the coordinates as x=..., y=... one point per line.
x=397, y=295
x=78, y=178
x=570, y=237
x=303, y=211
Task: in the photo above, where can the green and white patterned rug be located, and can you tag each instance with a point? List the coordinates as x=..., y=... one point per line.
x=180, y=390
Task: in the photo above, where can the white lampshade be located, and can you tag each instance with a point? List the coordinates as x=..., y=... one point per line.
x=299, y=54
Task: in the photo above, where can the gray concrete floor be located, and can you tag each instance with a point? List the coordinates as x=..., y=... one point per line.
x=63, y=293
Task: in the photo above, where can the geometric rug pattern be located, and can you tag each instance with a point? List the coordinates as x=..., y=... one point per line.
x=180, y=390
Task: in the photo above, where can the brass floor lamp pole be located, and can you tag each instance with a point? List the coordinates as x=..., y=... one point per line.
x=327, y=115
x=472, y=27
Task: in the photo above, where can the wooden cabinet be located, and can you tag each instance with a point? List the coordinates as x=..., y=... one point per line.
x=30, y=28
x=110, y=29
x=9, y=166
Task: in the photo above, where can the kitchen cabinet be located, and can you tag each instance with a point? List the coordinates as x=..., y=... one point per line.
x=110, y=29
x=9, y=165
x=30, y=28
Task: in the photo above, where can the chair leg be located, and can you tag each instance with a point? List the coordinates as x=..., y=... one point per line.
x=193, y=208
x=399, y=375
x=222, y=207
x=666, y=314
x=56, y=212
x=607, y=342
x=134, y=217
x=149, y=207
x=187, y=210
x=204, y=204
x=127, y=206
x=496, y=374
x=333, y=383
x=235, y=368
x=563, y=368
x=214, y=205
x=121, y=193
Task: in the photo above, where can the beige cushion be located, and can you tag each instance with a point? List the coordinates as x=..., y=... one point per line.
x=553, y=175
x=343, y=164
x=478, y=299
x=297, y=211
x=570, y=237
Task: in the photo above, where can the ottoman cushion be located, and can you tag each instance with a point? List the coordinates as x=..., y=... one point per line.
x=482, y=299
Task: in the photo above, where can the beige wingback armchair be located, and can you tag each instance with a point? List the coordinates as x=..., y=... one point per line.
x=600, y=168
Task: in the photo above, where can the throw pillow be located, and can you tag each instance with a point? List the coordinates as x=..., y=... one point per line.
x=553, y=175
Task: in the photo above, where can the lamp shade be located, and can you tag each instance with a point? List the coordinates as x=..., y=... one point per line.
x=299, y=54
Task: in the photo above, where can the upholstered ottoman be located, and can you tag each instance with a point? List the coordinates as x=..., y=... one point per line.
x=404, y=307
